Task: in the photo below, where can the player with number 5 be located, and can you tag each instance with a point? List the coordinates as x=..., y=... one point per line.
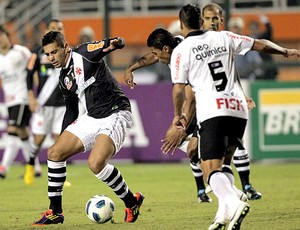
x=221, y=107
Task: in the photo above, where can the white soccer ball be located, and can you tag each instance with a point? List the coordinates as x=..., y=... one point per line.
x=100, y=209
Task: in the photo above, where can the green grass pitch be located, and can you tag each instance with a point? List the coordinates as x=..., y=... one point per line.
x=170, y=201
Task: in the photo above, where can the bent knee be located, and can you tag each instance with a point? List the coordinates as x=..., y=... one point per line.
x=96, y=166
x=54, y=154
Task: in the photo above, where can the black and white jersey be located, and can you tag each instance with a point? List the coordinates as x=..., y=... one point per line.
x=13, y=75
x=87, y=77
x=48, y=92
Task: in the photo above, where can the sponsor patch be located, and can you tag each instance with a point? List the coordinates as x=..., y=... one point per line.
x=95, y=46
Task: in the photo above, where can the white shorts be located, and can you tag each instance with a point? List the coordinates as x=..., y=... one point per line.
x=184, y=144
x=47, y=120
x=116, y=126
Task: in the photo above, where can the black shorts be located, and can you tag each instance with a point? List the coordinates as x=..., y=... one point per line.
x=218, y=133
x=19, y=115
x=192, y=127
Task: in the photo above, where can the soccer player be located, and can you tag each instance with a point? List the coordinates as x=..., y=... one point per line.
x=48, y=106
x=14, y=59
x=85, y=77
x=188, y=140
x=206, y=60
x=212, y=19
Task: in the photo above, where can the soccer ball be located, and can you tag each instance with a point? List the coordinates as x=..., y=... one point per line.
x=100, y=209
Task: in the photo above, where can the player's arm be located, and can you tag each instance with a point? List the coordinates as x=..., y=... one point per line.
x=96, y=50
x=32, y=67
x=189, y=106
x=72, y=110
x=176, y=132
x=178, y=95
x=266, y=46
x=177, y=129
x=250, y=102
x=146, y=60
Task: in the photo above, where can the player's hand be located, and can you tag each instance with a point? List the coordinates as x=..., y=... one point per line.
x=250, y=103
x=128, y=78
x=292, y=53
x=173, y=138
x=118, y=42
x=115, y=43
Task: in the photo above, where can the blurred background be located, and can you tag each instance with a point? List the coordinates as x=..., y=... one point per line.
x=135, y=19
x=274, y=128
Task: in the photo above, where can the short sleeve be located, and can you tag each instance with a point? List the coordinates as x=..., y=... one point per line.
x=179, y=64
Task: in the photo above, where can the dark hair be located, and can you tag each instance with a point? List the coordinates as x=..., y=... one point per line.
x=190, y=16
x=161, y=37
x=211, y=7
x=4, y=30
x=53, y=20
x=54, y=36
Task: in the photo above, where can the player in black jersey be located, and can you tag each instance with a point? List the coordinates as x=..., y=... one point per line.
x=85, y=77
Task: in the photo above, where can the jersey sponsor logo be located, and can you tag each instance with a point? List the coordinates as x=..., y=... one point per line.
x=177, y=64
x=233, y=36
x=204, y=51
x=85, y=84
x=95, y=46
x=230, y=103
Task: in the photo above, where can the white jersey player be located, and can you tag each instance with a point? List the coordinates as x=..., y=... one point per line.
x=13, y=75
x=207, y=56
x=14, y=59
x=206, y=61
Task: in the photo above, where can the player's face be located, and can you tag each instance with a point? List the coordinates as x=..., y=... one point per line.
x=211, y=20
x=163, y=55
x=56, y=26
x=57, y=55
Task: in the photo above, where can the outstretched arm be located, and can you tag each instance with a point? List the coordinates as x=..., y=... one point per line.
x=146, y=60
x=266, y=46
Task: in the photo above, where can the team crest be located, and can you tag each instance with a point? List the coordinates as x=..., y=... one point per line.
x=78, y=71
x=68, y=83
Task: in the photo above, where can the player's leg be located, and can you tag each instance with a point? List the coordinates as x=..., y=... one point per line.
x=22, y=122
x=109, y=141
x=15, y=117
x=241, y=160
x=192, y=152
x=226, y=169
x=32, y=146
x=67, y=145
x=54, y=119
x=33, y=166
x=10, y=153
x=214, y=143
